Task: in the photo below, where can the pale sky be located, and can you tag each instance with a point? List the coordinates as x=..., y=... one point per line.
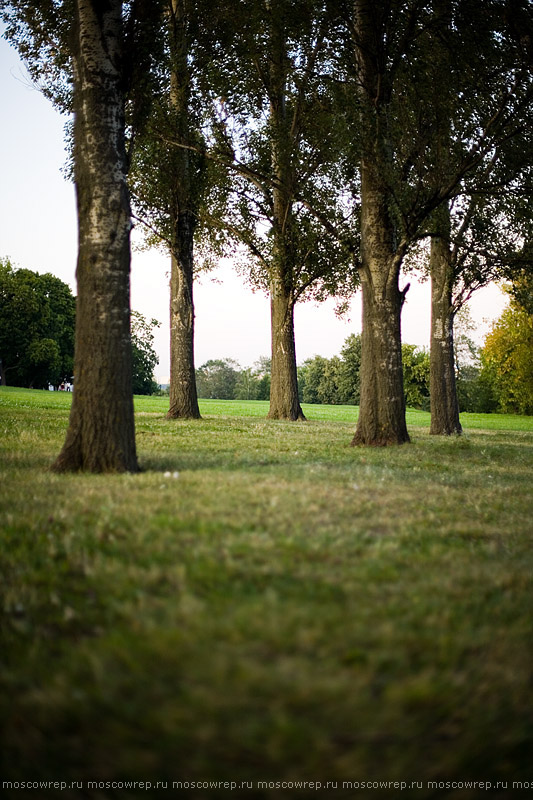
x=38, y=231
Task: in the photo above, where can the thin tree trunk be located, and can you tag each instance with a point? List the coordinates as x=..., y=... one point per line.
x=284, y=402
x=101, y=435
x=443, y=392
x=183, y=392
x=444, y=405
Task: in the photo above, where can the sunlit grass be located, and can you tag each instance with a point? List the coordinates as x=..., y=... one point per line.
x=265, y=602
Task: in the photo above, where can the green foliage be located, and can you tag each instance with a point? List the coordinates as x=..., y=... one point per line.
x=172, y=171
x=252, y=385
x=218, y=378
x=36, y=328
x=336, y=380
x=415, y=376
x=521, y=288
x=275, y=128
x=225, y=380
x=476, y=391
x=507, y=360
x=348, y=379
x=475, y=387
x=42, y=32
x=319, y=378
x=144, y=357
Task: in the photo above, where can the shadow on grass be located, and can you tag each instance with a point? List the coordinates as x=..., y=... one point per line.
x=218, y=461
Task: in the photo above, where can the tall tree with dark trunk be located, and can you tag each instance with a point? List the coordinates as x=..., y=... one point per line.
x=382, y=405
x=183, y=214
x=474, y=234
x=443, y=393
x=85, y=55
x=395, y=75
x=101, y=436
x=284, y=402
x=275, y=130
x=174, y=194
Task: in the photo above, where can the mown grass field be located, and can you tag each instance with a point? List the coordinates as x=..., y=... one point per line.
x=265, y=603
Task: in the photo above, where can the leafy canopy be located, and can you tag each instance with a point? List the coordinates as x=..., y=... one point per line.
x=36, y=327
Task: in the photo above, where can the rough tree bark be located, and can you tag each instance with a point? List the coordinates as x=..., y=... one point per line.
x=183, y=393
x=284, y=402
x=444, y=405
x=101, y=435
x=382, y=405
x=382, y=408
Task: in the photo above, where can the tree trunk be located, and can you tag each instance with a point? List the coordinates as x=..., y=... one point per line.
x=444, y=405
x=382, y=406
x=183, y=393
x=443, y=392
x=284, y=402
x=101, y=435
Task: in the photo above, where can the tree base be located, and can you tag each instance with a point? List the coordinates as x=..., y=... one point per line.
x=443, y=430
x=295, y=416
x=174, y=413
x=95, y=458
x=74, y=462
x=360, y=440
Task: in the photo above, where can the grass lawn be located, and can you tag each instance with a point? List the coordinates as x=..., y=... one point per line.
x=265, y=603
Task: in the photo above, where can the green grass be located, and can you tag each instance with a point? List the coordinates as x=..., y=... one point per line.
x=286, y=608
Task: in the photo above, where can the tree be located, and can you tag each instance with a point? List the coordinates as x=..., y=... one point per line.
x=86, y=54
x=472, y=234
x=521, y=288
x=36, y=328
x=507, y=360
x=416, y=370
x=263, y=370
x=392, y=104
x=247, y=385
x=253, y=383
x=335, y=380
x=382, y=404
x=273, y=127
x=143, y=353
x=311, y=378
x=217, y=379
x=101, y=435
x=349, y=374
x=173, y=193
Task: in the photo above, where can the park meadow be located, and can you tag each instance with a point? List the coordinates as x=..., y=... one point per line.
x=264, y=603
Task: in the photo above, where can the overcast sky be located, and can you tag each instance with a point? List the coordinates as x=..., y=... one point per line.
x=38, y=231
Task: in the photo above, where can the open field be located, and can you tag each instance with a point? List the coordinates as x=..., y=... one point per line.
x=265, y=603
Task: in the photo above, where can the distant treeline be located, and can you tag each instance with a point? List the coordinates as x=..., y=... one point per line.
x=330, y=381
x=335, y=381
